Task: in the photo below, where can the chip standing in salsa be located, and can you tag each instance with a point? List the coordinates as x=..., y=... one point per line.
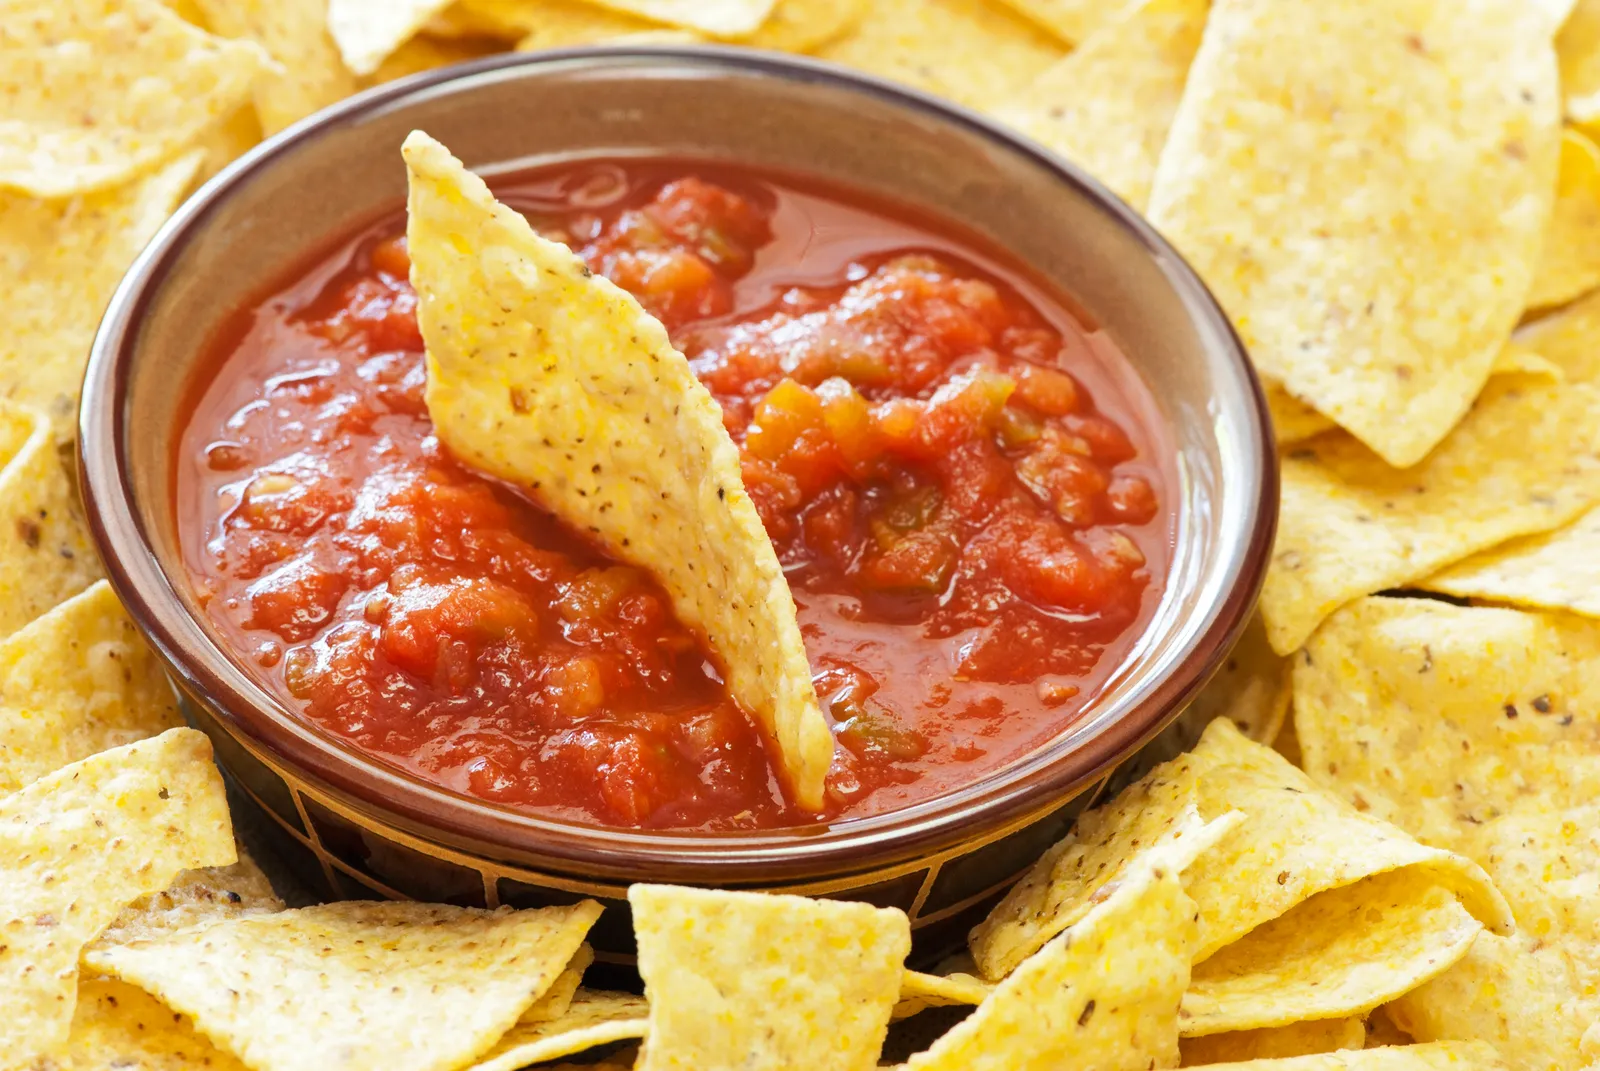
x=968, y=491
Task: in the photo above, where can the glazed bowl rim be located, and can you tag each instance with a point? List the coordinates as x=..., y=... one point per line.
x=1005, y=799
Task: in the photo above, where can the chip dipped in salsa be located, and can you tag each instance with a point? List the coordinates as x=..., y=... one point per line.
x=967, y=488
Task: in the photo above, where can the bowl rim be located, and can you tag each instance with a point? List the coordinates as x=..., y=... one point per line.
x=999, y=802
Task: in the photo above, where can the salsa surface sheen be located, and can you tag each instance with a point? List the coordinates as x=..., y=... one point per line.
x=968, y=491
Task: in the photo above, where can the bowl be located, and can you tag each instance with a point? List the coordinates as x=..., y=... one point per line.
x=352, y=826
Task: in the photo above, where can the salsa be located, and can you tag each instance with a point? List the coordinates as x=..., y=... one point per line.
x=967, y=489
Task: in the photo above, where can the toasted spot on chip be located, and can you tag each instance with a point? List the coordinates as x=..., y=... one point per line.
x=592, y=1018
x=971, y=51
x=119, y=1027
x=76, y=681
x=1366, y=186
x=1103, y=994
x=499, y=305
x=45, y=557
x=295, y=33
x=59, y=263
x=743, y=979
x=1274, y=1042
x=94, y=92
x=1443, y=1056
x=388, y=986
x=1341, y=953
x=78, y=845
x=1525, y=460
x=1108, y=105
x=1578, y=45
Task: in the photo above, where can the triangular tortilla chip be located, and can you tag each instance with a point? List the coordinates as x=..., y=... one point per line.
x=1074, y=21
x=1340, y=953
x=1569, y=264
x=45, y=553
x=387, y=986
x=558, y=998
x=295, y=33
x=1251, y=688
x=1556, y=571
x=1107, y=106
x=94, y=92
x=592, y=1018
x=77, y=846
x=1330, y=174
x=719, y=18
x=1275, y=1042
x=970, y=51
x=76, y=681
x=743, y=979
x=1444, y=1056
x=119, y=1027
x=367, y=31
x=59, y=263
x=194, y=897
x=544, y=374
x=1104, y=994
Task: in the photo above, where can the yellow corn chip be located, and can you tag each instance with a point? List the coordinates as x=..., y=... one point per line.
x=1525, y=460
x=1251, y=689
x=45, y=553
x=1570, y=262
x=1556, y=12
x=93, y=92
x=719, y=18
x=367, y=31
x=295, y=33
x=195, y=896
x=77, y=681
x=227, y=141
x=1568, y=339
x=1274, y=1042
x=1558, y=571
x=189, y=11
x=426, y=53
x=1292, y=420
x=593, y=1018
x=558, y=998
x=793, y=26
x=1381, y=1028
x=1578, y=45
x=1444, y=1056
x=547, y=375
x=1073, y=21
x=919, y=992
x=78, y=845
x=751, y=980
x=1365, y=186
x=59, y=263
x=1340, y=953
x=1104, y=994
x=971, y=51
x=1108, y=105
x=804, y=25
x=387, y=986
x=119, y=1027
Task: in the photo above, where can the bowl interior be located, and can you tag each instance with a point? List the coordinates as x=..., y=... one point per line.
x=262, y=218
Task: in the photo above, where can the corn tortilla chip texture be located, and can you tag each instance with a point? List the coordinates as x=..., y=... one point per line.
x=78, y=845
x=119, y=1027
x=1578, y=45
x=1569, y=263
x=1297, y=1039
x=76, y=681
x=383, y=985
x=720, y=18
x=591, y=1019
x=752, y=980
x=547, y=375
x=368, y=31
x=295, y=34
x=1444, y=1056
x=95, y=92
x=1327, y=174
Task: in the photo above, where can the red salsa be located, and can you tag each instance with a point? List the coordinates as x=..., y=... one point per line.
x=967, y=488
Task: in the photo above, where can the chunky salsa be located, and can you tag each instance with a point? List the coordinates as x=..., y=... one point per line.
x=965, y=486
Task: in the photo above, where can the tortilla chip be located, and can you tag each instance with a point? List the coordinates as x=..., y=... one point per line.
x=45, y=553
x=967, y=50
x=77, y=681
x=367, y=31
x=1292, y=420
x=593, y=1018
x=1108, y=105
x=1557, y=571
x=59, y=263
x=546, y=375
x=1104, y=994
x=227, y=141
x=1074, y=21
x=1568, y=338
x=1517, y=993
x=295, y=33
x=793, y=26
x=719, y=18
x=744, y=979
x=427, y=53
x=558, y=998
x=1578, y=45
x=1525, y=460
x=195, y=896
x=1297, y=840
x=1381, y=1028
x=189, y=11
x=1366, y=186
x=1276, y=1042
x=919, y=992
x=1570, y=262
x=388, y=986
x=1338, y=954
x=119, y=1027
x=1444, y=1056
x=1251, y=689
x=78, y=845
x=95, y=92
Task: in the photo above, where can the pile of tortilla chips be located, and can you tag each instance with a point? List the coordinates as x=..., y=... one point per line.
x=1398, y=204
